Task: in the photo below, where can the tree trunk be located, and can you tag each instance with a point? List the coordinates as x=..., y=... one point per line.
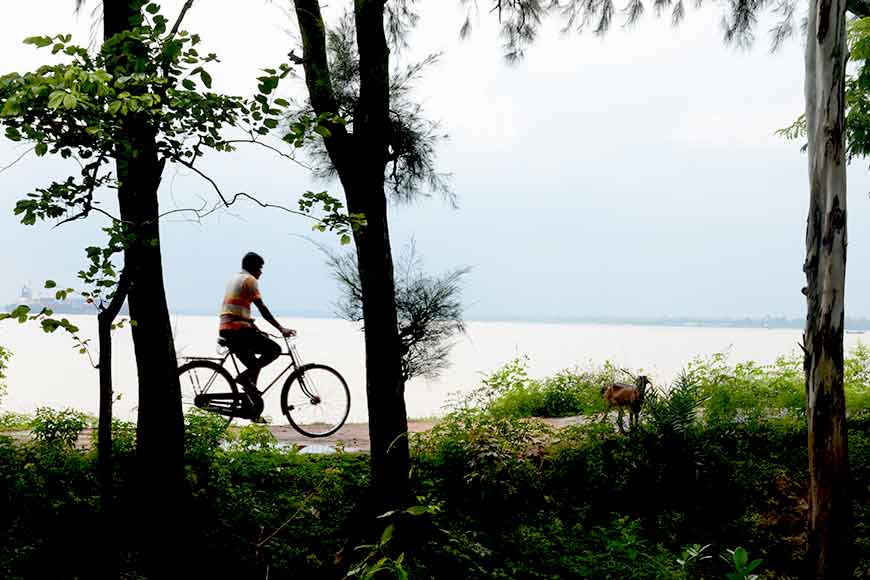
x=110, y=562
x=360, y=160
x=160, y=428
x=825, y=268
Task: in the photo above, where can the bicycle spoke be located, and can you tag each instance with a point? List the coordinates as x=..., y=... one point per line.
x=317, y=402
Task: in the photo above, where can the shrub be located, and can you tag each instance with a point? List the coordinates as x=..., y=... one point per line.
x=53, y=427
x=509, y=391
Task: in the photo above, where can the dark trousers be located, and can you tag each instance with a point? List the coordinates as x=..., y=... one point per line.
x=253, y=348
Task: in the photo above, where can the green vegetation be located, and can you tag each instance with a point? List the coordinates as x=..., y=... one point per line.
x=711, y=485
x=743, y=392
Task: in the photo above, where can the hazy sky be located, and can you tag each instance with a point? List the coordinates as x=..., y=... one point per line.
x=635, y=175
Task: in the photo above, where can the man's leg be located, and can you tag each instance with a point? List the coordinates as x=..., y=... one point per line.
x=268, y=349
x=247, y=344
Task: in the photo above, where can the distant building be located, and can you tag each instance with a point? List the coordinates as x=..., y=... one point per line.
x=72, y=305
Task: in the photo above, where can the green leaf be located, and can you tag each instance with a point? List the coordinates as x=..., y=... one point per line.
x=417, y=510
x=188, y=84
x=13, y=134
x=345, y=239
x=69, y=101
x=49, y=325
x=271, y=123
x=206, y=79
x=50, y=284
x=38, y=41
x=282, y=102
x=41, y=149
x=323, y=131
x=152, y=8
x=388, y=533
x=55, y=99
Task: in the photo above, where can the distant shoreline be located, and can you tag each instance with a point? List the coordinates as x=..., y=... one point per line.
x=853, y=325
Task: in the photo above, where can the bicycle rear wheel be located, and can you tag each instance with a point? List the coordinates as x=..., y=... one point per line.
x=201, y=378
x=316, y=400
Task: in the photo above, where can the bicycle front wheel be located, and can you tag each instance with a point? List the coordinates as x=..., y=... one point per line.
x=207, y=385
x=316, y=400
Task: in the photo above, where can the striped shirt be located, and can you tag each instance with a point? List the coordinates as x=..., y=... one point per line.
x=236, y=310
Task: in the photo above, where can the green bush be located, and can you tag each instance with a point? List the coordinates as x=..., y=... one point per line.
x=509, y=391
x=59, y=427
x=752, y=392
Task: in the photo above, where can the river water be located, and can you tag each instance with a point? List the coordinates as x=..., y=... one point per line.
x=46, y=370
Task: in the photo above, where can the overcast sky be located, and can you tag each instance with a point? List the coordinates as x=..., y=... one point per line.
x=634, y=175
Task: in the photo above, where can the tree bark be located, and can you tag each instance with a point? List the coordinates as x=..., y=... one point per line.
x=110, y=562
x=360, y=160
x=825, y=269
x=160, y=427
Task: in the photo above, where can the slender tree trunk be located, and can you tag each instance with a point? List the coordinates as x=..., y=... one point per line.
x=825, y=268
x=360, y=160
x=385, y=385
x=160, y=428
x=110, y=562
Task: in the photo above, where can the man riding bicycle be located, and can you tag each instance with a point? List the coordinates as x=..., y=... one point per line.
x=253, y=347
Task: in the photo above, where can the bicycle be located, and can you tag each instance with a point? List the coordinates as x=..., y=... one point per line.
x=317, y=407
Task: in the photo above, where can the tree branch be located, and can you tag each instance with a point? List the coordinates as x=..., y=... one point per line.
x=270, y=205
x=214, y=185
x=187, y=6
x=20, y=157
x=114, y=306
x=317, y=76
x=271, y=148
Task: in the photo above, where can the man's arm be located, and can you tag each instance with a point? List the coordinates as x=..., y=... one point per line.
x=267, y=316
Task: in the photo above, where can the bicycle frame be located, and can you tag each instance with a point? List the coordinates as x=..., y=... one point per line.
x=294, y=364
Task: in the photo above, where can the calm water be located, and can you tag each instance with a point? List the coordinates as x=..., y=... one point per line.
x=47, y=370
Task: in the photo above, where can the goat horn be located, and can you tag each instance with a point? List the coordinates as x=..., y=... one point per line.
x=626, y=371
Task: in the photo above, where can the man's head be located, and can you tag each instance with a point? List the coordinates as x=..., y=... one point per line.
x=252, y=263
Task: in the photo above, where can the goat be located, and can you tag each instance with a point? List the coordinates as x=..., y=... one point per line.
x=622, y=395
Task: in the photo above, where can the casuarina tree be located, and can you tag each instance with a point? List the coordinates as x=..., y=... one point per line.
x=360, y=152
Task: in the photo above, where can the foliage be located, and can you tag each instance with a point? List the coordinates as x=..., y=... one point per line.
x=857, y=95
x=11, y=421
x=498, y=498
x=742, y=566
x=678, y=410
x=521, y=20
x=123, y=438
x=509, y=391
x=59, y=427
x=155, y=76
x=752, y=392
x=411, y=169
x=711, y=388
x=5, y=355
x=858, y=90
x=428, y=307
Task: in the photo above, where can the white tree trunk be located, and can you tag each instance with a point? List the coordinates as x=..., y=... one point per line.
x=825, y=268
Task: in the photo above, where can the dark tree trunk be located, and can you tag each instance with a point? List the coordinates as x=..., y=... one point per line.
x=825, y=268
x=110, y=561
x=160, y=428
x=360, y=160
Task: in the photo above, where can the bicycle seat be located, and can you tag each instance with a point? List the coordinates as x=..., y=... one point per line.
x=222, y=341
